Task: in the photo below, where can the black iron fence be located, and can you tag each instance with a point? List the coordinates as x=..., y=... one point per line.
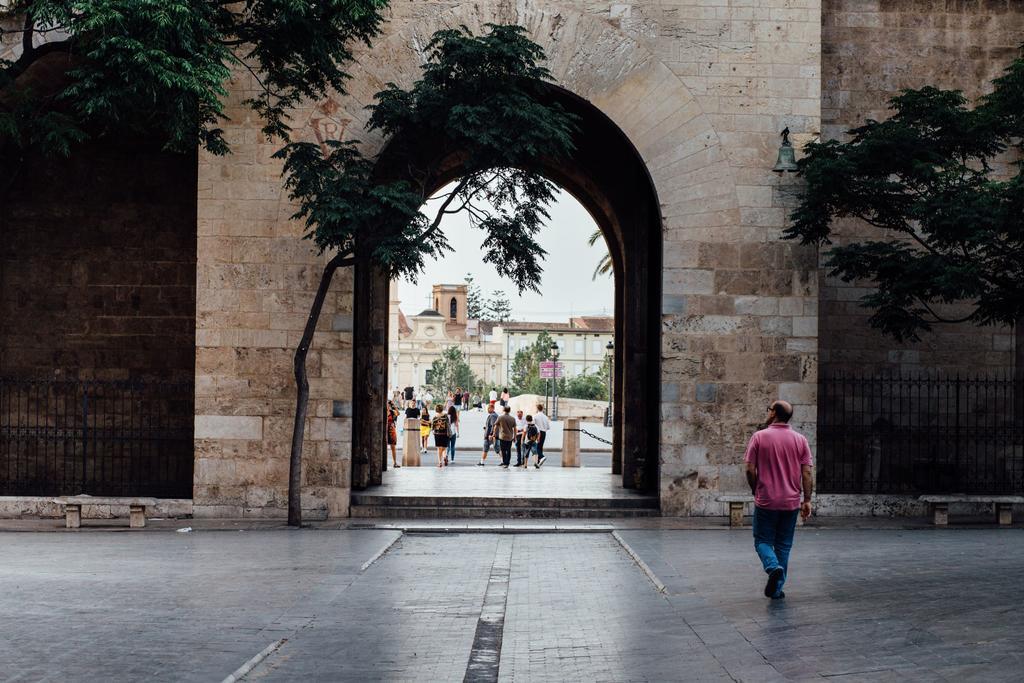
x=98, y=438
x=923, y=434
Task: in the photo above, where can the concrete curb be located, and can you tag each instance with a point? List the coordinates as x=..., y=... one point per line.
x=648, y=572
x=240, y=673
x=380, y=553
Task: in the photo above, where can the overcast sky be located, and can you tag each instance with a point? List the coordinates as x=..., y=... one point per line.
x=566, y=286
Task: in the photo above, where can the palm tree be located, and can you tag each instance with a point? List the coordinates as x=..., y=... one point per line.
x=604, y=266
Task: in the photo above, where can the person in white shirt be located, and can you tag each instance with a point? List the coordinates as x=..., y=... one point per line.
x=543, y=425
x=520, y=435
x=493, y=396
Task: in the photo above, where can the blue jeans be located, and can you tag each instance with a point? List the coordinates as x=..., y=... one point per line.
x=451, y=446
x=773, y=538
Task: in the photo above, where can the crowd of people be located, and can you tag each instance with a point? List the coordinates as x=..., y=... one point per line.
x=441, y=419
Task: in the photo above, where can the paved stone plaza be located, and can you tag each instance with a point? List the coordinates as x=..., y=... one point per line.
x=862, y=605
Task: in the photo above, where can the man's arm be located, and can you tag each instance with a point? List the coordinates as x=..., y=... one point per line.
x=807, y=479
x=752, y=477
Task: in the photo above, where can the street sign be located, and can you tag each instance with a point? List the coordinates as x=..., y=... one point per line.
x=552, y=369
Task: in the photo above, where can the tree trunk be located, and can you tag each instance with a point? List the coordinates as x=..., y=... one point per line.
x=302, y=393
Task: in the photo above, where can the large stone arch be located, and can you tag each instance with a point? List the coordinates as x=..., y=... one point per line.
x=648, y=110
x=697, y=102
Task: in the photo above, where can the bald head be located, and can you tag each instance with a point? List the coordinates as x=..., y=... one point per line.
x=781, y=411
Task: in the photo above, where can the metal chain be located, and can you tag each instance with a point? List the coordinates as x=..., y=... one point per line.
x=591, y=435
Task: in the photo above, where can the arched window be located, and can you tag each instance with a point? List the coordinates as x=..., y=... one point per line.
x=453, y=309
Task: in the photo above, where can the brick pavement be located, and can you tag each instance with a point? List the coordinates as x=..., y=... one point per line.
x=862, y=605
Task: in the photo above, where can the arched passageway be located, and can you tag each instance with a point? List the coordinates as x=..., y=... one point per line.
x=607, y=176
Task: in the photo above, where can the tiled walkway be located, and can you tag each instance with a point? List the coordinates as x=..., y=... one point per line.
x=881, y=605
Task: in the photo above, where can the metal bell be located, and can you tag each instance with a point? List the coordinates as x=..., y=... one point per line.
x=787, y=156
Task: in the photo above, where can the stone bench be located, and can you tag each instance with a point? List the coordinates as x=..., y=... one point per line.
x=73, y=508
x=735, y=503
x=940, y=505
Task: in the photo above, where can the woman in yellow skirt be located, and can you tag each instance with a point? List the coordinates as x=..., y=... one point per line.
x=424, y=430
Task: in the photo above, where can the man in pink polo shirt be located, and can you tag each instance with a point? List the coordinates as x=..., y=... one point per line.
x=778, y=471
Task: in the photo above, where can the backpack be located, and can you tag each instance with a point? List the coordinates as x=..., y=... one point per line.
x=532, y=432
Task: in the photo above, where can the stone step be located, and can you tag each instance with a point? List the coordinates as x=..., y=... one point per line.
x=646, y=502
x=495, y=512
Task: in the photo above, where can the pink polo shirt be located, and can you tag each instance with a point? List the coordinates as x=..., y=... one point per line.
x=778, y=453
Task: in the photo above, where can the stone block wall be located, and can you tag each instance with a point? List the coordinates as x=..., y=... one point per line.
x=97, y=264
x=255, y=281
x=871, y=49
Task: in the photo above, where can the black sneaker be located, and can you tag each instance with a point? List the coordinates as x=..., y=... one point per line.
x=541, y=461
x=480, y=464
x=781, y=595
x=774, y=577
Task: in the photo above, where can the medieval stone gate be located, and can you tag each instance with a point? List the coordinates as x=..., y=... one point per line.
x=685, y=101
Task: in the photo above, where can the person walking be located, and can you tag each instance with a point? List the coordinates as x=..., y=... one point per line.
x=392, y=418
x=492, y=397
x=453, y=421
x=440, y=426
x=424, y=430
x=543, y=426
x=411, y=411
x=506, y=429
x=779, y=465
x=529, y=441
x=488, y=433
x=520, y=433
x=457, y=398
x=505, y=397
x=466, y=400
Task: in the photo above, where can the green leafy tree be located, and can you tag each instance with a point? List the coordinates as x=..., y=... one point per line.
x=604, y=264
x=475, y=306
x=525, y=370
x=951, y=247
x=499, y=308
x=93, y=67
x=589, y=387
x=482, y=98
x=451, y=371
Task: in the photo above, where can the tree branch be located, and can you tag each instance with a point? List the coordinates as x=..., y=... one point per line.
x=939, y=318
x=441, y=211
x=28, y=35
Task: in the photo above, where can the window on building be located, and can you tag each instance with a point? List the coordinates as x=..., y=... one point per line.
x=579, y=369
x=597, y=346
x=453, y=309
x=430, y=376
x=561, y=345
x=577, y=347
x=524, y=343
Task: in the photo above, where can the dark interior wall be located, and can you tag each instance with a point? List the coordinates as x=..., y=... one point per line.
x=871, y=49
x=98, y=265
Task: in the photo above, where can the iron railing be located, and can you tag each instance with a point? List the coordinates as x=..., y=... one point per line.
x=922, y=434
x=94, y=437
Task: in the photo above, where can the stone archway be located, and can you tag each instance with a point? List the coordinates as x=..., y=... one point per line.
x=735, y=308
x=643, y=131
x=608, y=178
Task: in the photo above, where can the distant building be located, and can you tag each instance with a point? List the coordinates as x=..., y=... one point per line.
x=582, y=342
x=416, y=341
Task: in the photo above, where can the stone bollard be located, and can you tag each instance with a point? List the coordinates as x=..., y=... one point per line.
x=571, y=443
x=411, y=446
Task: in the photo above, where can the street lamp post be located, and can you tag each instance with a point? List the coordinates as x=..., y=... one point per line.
x=554, y=381
x=610, y=348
